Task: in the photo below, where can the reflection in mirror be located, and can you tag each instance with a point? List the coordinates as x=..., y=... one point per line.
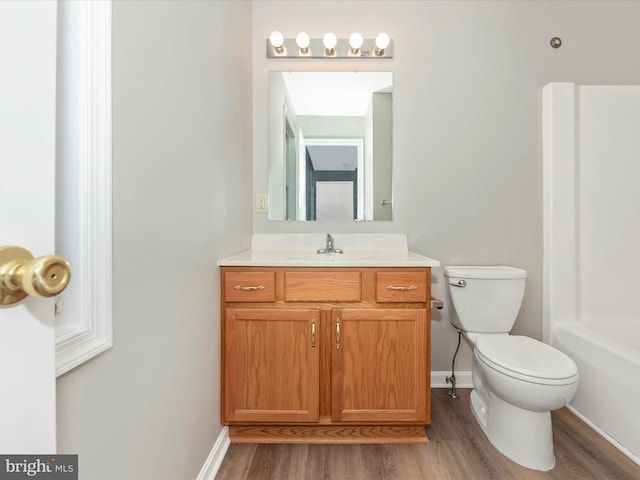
x=330, y=146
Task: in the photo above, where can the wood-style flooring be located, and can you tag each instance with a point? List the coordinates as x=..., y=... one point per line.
x=458, y=451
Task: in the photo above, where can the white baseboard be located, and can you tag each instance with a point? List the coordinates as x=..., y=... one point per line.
x=439, y=379
x=214, y=460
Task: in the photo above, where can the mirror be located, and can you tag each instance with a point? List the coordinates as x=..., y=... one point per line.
x=330, y=146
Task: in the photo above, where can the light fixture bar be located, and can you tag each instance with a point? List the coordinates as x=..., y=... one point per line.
x=316, y=49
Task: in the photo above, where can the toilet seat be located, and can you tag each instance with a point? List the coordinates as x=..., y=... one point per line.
x=526, y=359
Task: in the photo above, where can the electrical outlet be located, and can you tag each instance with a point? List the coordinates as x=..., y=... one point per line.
x=261, y=202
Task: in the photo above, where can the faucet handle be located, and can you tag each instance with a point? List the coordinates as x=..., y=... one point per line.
x=329, y=248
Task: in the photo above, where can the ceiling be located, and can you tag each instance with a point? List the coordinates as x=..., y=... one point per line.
x=333, y=157
x=335, y=93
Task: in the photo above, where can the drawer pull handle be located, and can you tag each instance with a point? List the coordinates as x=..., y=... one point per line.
x=338, y=334
x=249, y=289
x=402, y=289
x=313, y=334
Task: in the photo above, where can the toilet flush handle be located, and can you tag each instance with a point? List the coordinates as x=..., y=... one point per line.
x=461, y=283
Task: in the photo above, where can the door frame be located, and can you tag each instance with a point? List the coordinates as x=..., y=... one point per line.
x=83, y=181
x=358, y=143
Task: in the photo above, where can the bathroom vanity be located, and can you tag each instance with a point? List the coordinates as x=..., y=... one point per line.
x=326, y=348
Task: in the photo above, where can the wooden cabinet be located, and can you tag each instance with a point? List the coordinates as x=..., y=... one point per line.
x=322, y=355
x=378, y=365
x=272, y=369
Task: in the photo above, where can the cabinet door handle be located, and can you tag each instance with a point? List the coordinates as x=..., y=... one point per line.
x=338, y=333
x=248, y=289
x=313, y=334
x=402, y=289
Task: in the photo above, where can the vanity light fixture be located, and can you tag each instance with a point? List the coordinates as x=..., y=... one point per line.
x=382, y=42
x=277, y=41
x=303, y=41
x=330, y=46
x=356, y=40
x=330, y=41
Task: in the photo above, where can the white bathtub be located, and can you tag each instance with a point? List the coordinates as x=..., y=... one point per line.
x=608, y=357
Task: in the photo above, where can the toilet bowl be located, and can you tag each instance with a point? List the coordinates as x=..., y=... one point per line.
x=526, y=380
x=517, y=380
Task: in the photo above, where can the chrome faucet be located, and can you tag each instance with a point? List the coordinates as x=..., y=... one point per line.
x=330, y=248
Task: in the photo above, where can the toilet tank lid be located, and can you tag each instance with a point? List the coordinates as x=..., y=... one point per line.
x=488, y=272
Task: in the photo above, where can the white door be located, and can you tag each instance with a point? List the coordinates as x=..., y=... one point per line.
x=27, y=210
x=334, y=201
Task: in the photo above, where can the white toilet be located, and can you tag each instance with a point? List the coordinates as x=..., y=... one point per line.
x=517, y=380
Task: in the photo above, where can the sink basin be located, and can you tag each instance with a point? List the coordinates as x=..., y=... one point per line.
x=360, y=250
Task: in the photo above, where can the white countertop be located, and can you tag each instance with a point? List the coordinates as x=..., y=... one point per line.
x=299, y=250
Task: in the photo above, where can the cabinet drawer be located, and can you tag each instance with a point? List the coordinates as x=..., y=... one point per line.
x=249, y=287
x=401, y=287
x=322, y=286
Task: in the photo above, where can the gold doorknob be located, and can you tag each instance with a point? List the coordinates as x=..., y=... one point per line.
x=22, y=275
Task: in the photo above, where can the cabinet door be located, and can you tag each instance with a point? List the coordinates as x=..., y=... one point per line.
x=379, y=365
x=271, y=365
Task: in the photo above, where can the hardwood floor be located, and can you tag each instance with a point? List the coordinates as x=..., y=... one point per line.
x=458, y=451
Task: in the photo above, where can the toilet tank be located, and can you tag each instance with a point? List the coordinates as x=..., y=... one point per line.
x=485, y=298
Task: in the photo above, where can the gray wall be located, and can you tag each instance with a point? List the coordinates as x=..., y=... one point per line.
x=149, y=407
x=467, y=141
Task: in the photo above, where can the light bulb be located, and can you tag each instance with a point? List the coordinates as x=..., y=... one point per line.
x=277, y=40
x=355, y=42
x=382, y=41
x=303, y=40
x=329, y=41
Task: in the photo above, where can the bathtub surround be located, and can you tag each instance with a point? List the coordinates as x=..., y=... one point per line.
x=591, y=255
x=608, y=393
